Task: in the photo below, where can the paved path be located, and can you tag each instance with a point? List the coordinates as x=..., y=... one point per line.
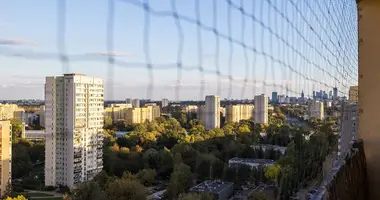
x=54, y=194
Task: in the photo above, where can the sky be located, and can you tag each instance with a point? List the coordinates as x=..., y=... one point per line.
x=179, y=49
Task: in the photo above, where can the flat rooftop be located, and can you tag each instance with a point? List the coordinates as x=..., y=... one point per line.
x=270, y=146
x=251, y=160
x=211, y=186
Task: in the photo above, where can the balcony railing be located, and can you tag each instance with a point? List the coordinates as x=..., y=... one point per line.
x=348, y=179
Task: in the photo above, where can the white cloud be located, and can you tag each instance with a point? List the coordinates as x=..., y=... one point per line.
x=16, y=41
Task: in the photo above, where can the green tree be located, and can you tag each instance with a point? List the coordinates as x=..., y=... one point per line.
x=21, y=162
x=123, y=189
x=19, y=197
x=88, y=191
x=258, y=196
x=272, y=172
x=107, y=121
x=180, y=181
x=17, y=129
x=146, y=176
x=103, y=179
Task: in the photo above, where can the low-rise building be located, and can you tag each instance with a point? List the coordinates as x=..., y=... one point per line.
x=235, y=113
x=34, y=135
x=252, y=163
x=12, y=111
x=219, y=189
x=266, y=147
x=316, y=110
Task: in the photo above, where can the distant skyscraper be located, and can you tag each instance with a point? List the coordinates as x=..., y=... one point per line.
x=335, y=93
x=212, y=112
x=261, y=109
x=74, y=106
x=274, y=97
x=6, y=155
x=302, y=95
x=353, y=94
x=314, y=95
x=349, y=127
x=128, y=101
x=164, y=103
x=281, y=98
x=136, y=103
x=316, y=110
x=331, y=94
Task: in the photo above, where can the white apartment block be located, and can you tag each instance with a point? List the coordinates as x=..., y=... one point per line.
x=316, y=110
x=164, y=103
x=261, y=109
x=212, y=112
x=235, y=113
x=74, y=129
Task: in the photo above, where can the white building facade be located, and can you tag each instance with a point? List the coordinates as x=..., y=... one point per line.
x=261, y=109
x=74, y=106
x=212, y=112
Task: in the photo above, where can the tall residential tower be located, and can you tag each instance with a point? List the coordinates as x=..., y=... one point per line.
x=261, y=109
x=212, y=112
x=74, y=129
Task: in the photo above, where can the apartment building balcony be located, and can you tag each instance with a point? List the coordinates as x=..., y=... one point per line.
x=348, y=179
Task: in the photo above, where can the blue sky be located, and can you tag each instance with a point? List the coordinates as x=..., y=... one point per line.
x=287, y=44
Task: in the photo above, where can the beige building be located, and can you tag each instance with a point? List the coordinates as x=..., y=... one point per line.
x=235, y=113
x=316, y=110
x=117, y=111
x=6, y=155
x=12, y=111
x=353, y=94
x=261, y=109
x=143, y=114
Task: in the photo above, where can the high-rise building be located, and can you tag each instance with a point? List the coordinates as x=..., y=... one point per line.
x=42, y=116
x=314, y=95
x=281, y=98
x=235, y=113
x=261, y=109
x=128, y=101
x=274, y=97
x=349, y=127
x=6, y=155
x=136, y=103
x=74, y=129
x=164, y=103
x=212, y=109
x=353, y=94
x=335, y=93
x=316, y=109
x=302, y=95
